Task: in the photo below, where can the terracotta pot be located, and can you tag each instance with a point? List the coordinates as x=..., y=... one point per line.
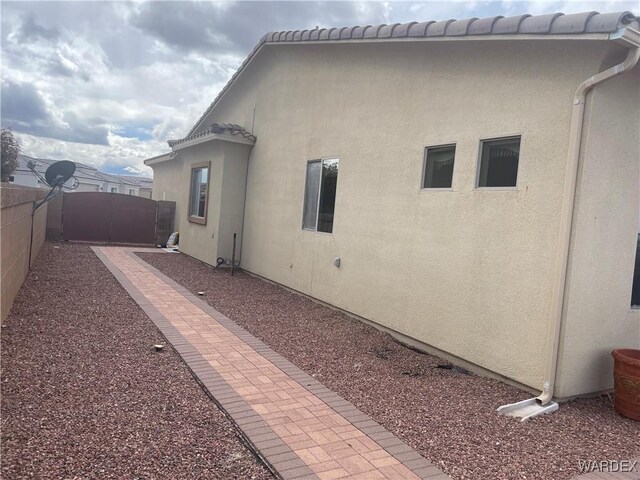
x=626, y=376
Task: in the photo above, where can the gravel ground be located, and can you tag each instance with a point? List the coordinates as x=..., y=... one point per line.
x=449, y=417
x=84, y=394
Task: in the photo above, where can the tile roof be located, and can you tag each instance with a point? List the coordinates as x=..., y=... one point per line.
x=216, y=128
x=548, y=24
x=552, y=23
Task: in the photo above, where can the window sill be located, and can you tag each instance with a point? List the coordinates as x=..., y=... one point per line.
x=316, y=231
x=497, y=189
x=198, y=220
x=436, y=189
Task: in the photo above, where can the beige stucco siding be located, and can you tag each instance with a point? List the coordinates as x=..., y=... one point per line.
x=195, y=239
x=598, y=316
x=169, y=185
x=467, y=271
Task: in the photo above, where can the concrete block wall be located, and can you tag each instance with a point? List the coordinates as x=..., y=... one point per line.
x=16, y=204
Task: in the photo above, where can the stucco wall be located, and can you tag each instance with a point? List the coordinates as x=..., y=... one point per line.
x=232, y=199
x=167, y=187
x=467, y=271
x=200, y=241
x=15, y=236
x=598, y=316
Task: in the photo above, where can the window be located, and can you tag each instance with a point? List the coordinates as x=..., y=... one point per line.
x=198, y=193
x=114, y=189
x=320, y=195
x=438, y=166
x=499, y=162
x=12, y=178
x=131, y=191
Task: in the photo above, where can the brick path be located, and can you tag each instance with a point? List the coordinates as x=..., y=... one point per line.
x=296, y=425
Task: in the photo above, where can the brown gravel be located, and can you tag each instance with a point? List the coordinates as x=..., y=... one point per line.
x=448, y=417
x=84, y=394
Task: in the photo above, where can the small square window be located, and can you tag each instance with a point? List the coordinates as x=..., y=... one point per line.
x=12, y=178
x=198, y=193
x=438, y=166
x=499, y=162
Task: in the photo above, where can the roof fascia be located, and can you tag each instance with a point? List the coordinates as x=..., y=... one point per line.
x=212, y=137
x=165, y=157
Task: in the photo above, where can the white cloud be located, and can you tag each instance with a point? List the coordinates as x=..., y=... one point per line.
x=107, y=83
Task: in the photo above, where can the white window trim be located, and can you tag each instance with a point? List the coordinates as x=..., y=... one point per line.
x=304, y=193
x=479, y=161
x=424, y=168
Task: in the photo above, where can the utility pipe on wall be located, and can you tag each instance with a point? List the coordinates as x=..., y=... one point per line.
x=568, y=205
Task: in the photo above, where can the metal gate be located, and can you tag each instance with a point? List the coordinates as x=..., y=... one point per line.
x=109, y=218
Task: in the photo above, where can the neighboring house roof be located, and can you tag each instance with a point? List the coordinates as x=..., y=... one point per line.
x=83, y=171
x=214, y=130
x=520, y=26
x=142, y=182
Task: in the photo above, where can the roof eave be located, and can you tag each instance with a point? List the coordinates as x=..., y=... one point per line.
x=224, y=137
x=158, y=159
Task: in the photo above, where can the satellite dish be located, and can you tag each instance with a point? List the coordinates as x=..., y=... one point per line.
x=58, y=173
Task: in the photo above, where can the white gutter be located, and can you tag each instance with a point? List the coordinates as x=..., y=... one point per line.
x=631, y=39
x=566, y=215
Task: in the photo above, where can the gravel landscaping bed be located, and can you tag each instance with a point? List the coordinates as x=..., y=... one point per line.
x=84, y=394
x=448, y=416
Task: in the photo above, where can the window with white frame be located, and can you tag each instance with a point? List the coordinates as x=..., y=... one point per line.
x=198, y=193
x=320, y=195
x=499, y=162
x=114, y=189
x=131, y=191
x=438, y=166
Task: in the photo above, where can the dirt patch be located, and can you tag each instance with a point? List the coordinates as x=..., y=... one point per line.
x=85, y=395
x=445, y=414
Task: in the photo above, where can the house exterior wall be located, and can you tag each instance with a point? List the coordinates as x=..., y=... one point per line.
x=598, y=317
x=15, y=235
x=145, y=192
x=467, y=271
x=169, y=185
x=200, y=241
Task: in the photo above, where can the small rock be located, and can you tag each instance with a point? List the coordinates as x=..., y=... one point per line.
x=158, y=348
x=200, y=293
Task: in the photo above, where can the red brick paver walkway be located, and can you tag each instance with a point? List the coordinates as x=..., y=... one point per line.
x=295, y=424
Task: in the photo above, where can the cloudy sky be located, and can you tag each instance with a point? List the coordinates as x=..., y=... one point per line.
x=108, y=83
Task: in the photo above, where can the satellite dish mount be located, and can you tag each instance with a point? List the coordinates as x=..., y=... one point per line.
x=56, y=176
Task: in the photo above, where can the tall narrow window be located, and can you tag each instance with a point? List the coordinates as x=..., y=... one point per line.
x=499, y=162
x=438, y=166
x=198, y=193
x=320, y=195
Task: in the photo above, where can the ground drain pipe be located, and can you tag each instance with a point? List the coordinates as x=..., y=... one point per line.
x=543, y=404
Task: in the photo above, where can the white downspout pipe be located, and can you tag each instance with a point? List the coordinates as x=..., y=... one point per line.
x=566, y=215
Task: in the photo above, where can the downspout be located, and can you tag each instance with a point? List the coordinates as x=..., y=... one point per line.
x=631, y=39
